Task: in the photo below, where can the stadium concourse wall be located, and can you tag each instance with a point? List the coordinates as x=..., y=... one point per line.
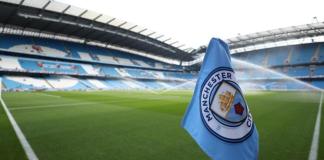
x=28, y=63
x=304, y=62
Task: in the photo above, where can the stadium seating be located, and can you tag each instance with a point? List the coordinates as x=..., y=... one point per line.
x=321, y=53
x=319, y=71
x=298, y=71
x=256, y=57
x=152, y=85
x=115, y=84
x=10, y=63
x=125, y=71
x=302, y=54
x=13, y=85
x=55, y=48
x=97, y=84
x=318, y=83
x=299, y=54
x=90, y=69
x=297, y=61
x=51, y=66
x=8, y=41
x=277, y=56
x=24, y=83
x=139, y=73
x=66, y=83
x=110, y=71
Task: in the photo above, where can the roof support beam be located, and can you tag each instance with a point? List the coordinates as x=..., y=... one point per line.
x=122, y=24
x=108, y=22
x=60, y=18
x=14, y=12
x=157, y=38
x=142, y=30
x=166, y=40
x=151, y=34
x=173, y=43
x=81, y=14
x=100, y=15
x=180, y=45
x=132, y=27
x=63, y=12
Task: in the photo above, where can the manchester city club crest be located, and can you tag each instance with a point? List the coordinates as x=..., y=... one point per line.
x=224, y=110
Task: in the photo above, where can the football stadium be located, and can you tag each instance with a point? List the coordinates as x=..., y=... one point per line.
x=77, y=84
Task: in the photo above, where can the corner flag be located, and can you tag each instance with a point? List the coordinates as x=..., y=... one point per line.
x=218, y=116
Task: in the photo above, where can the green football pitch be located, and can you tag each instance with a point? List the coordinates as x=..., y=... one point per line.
x=129, y=125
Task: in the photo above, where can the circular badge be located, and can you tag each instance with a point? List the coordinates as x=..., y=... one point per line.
x=224, y=110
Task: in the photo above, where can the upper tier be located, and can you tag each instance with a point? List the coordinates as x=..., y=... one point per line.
x=32, y=65
x=69, y=50
x=283, y=56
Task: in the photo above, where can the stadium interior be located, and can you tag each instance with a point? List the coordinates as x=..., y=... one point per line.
x=48, y=47
x=35, y=58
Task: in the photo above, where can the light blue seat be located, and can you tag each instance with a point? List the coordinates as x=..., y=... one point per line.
x=298, y=71
x=302, y=54
x=277, y=56
x=319, y=71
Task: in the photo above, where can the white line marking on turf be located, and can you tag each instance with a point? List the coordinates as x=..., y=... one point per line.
x=23, y=141
x=314, y=147
x=52, y=106
x=62, y=105
x=48, y=95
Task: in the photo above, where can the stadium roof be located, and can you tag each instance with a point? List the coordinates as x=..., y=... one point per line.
x=300, y=32
x=59, y=18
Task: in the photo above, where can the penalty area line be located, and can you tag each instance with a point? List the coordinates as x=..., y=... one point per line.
x=316, y=135
x=21, y=137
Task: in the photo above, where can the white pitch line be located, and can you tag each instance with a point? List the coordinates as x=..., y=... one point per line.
x=52, y=106
x=48, y=95
x=23, y=141
x=61, y=105
x=314, y=147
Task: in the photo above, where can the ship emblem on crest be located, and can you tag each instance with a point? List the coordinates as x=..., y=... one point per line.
x=225, y=101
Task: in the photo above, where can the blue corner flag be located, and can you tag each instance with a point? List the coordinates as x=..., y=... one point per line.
x=218, y=116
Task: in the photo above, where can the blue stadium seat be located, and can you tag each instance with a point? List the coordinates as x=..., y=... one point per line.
x=321, y=53
x=73, y=50
x=256, y=57
x=277, y=56
x=139, y=73
x=319, y=70
x=318, y=83
x=116, y=84
x=48, y=66
x=298, y=71
x=13, y=85
x=152, y=85
x=109, y=71
x=7, y=41
x=302, y=54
